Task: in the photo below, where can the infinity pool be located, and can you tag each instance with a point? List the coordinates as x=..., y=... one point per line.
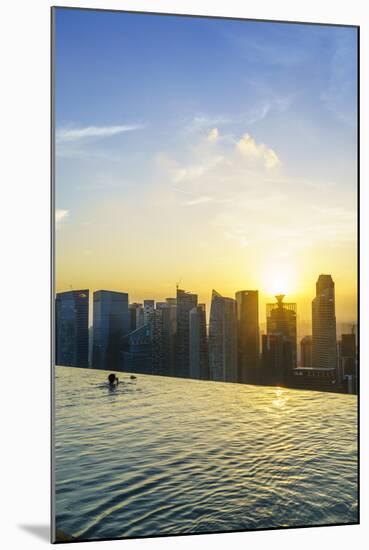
x=170, y=456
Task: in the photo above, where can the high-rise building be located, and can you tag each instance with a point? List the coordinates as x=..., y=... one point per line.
x=199, y=359
x=137, y=351
x=156, y=329
x=185, y=302
x=136, y=316
x=223, y=339
x=71, y=328
x=281, y=319
x=110, y=324
x=277, y=357
x=324, y=341
x=348, y=362
x=132, y=314
x=248, y=336
x=168, y=327
x=149, y=306
x=306, y=352
x=140, y=316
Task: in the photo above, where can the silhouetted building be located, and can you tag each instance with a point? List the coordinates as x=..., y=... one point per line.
x=140, y=321
x=149, y=306
x=223, y=339
x=136, y=318
x=324, y=342
x=168, y=335
x=248, y=336
x=314, y=379
x=157, y=341
x=90, y=344
x=110, y=324
x=306, y=352
x=277, y=359
x=199, y=358
x=185, y=302
x=281, y=319
x=348, y=362
x=137, y=354
x=71, y=328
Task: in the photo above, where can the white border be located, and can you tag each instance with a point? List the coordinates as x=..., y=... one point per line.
x=25, y=245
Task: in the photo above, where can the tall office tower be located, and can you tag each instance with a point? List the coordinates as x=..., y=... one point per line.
x=324, y=324
x=223, y=339
x=168, y=313
x=149, y=306
x=90, y=344
x=248, y=336
x=110, y=323
x=156, y=330
x=277, y=358
x=348, y=362
x=137, y=354
x=199, y=358
x=132, y=312
x=306, y=352
x=281, y=319
x=71, y=328
x=185, y=302
x=140, y=316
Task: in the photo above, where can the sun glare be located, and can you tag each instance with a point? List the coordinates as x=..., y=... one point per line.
x=280, y=280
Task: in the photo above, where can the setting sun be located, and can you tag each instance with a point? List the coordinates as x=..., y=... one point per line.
x=280, y=280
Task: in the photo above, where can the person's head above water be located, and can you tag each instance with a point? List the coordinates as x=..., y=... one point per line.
x=111, y=378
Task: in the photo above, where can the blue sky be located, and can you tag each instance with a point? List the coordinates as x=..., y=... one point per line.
x=137, y=99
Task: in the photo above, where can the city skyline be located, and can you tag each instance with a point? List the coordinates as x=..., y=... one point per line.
x=176, y=338
x=262, y=302
x=249, y=149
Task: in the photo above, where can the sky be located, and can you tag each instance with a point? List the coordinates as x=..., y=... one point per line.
x=211, y=153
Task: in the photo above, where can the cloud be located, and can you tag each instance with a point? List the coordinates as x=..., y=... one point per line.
x=213, y=135
x=60, y=216
x=247, y=146
x=201, y=123
x=238, y=198
x=340, y=94
x=199, y=200
x=64, y=135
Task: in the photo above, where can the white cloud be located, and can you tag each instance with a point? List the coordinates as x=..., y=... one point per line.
x=75, y=134
x=247, y=146
x=60, y=215
x=213, y=135
x=199, y=200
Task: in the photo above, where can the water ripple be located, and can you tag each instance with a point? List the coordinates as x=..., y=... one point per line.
x=168, y=456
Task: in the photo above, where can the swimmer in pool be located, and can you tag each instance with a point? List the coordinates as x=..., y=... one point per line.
x=113, y=380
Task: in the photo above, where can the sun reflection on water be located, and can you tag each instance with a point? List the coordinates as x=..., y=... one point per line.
x=281, y=398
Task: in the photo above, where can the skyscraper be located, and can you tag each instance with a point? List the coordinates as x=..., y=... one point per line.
x=348, y=362
x=324, y=343
x=137, y=351
x=199, y=360
x=277, y=355
x=168, y=320
x=71, y=328
x=110, y=324
x=306, y=352
x=185, y=302
x=248, y=336
x=132, y=317
x=281, y=319
x=149, y=306
x=223, y=339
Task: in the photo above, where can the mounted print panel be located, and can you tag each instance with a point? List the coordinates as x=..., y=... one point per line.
x=205, y=334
